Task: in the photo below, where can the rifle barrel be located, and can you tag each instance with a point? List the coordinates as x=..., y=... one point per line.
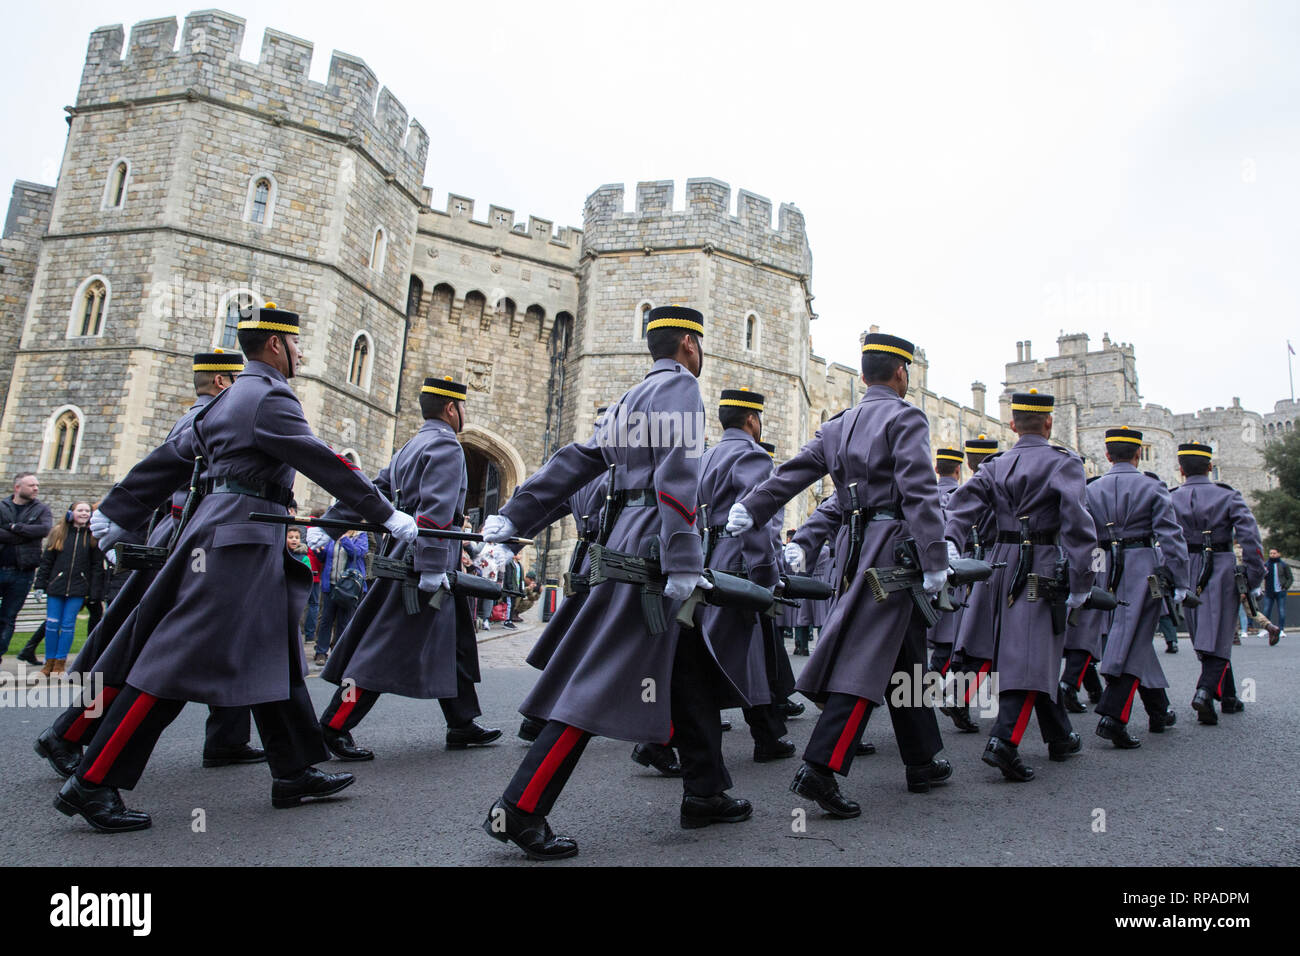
x=372, y=528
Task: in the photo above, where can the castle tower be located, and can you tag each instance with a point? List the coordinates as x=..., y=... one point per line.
x=193, y=182
x=751, y=281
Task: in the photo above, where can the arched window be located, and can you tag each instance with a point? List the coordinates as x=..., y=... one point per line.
x=362, y=361
x=414, y=293
x=536, y=317
x=115, y=186
x=89, y=307
x=473, y=311
x=443, y=297
x=259, y=207
x=235, y=305
x=642, y=319
x=378, y=249
x=751, y=332
x=561, y=333
x=505, y=310
x=62, y=444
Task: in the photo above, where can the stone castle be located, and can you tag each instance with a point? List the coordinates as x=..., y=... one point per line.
x=194, y=183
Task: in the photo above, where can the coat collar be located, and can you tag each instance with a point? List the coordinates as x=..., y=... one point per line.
x=1197, y=480
x=665, y=365
x=877, y=393
x=261, y=369
x=738, y=434
x=1030, y=441
x=1122, y=468
x=436, y=425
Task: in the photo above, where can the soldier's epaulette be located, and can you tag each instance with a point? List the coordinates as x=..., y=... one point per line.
x=1227, y=486
x=996, y=454
x=836, y=415
x=1091, y=480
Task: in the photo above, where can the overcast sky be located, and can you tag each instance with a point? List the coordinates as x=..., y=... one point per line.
x=972, y=173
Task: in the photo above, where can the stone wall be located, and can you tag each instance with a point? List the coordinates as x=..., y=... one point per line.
x=25, y=223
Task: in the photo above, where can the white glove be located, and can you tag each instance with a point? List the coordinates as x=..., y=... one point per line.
x=402, y=526
x=682, y=583
x=953, y=553
x=934, y=581
x=111, y=557
x=1259, y=591
x=739, y=519
x=101, y=525
x=1180, y=594
x=794, y=557
x=498, y=528
x=108, y=541
x=1077, y=600
x=430, y=581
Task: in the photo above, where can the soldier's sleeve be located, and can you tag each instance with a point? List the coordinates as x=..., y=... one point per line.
x=1247, y=533
x=820, y=526
x=341, y=511
x=972, y=502
x=756, y=543
x=793, y=476
x=281, y=431
x=1165, y=526
x=439, y=493
x=549, y=486
x=677, y=481
x=151, y=482
x=917, y=486
x=1078, y=531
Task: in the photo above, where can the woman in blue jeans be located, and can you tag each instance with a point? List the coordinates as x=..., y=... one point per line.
x=71, y=573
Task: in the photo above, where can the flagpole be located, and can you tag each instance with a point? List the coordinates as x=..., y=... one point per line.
x=1289, y=374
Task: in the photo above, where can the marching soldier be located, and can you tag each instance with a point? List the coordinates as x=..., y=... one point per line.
x=728, y=470
x=780, y=673
x=878, y=454
x=1133, y=516
x=940, y=638
x=608, y=676
x=223, y=569
x=971, y=659
x=385, y=649
x=1212, y=514
x=1085, y=643
x=228, y=728
x=1037, y=492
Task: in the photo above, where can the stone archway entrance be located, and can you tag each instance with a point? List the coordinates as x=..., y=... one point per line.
x=493, y=470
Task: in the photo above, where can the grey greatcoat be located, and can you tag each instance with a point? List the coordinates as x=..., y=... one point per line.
x=977, y=623
x=608, y=675
x=221, y=618
x=1125, y=503
x=587, y=506
x=730, y=469
x=1202, y=505
x=945, y=632
x=883, y=445
x=384, y=649
x=119, y=609
x=1089, y=634
x=1046, y=483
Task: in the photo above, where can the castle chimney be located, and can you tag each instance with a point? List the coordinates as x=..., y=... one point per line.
x=1020, y=351
x=978, y=392
x=1028, y=357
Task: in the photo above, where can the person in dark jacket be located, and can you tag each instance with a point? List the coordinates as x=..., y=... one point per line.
x=1278, y=579
x=71, y=572
x=24, y=521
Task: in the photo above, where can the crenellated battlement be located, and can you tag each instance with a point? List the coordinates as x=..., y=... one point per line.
x=499, y=229
x=206, y=64
x=705, y=222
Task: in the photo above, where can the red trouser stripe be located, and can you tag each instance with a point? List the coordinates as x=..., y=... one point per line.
x=1087, y=659
x=1128, y=704
x=943, y=671
x=80, y=725
x=979, y=676
x=848, y=735
x=134, y=715
x=542, y=778
x=1023, y=720
x=341, y=715
x=672, y=731
x=1218, y=691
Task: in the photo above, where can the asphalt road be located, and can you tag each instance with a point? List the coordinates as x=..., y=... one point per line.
x=1222, y=795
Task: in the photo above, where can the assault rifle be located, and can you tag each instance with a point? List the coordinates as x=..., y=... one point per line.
x=340, y=525
x=1244, y=592
x=144, y=557
x=1160, y=584
x=1055, y=590
x=908, y=576
x=728, y=590
x=403, y=570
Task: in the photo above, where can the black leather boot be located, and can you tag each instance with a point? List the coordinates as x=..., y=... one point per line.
x=471, y=735
x=789, y=709
x=1156, y=723
x=1060, y=750
x=921, y=779
x=1108, y=728
x=530, y=832
x=820, y=787
x=62, y=756
x=101, y=807
x=1006, y=757
x=529, y=729
x=341, y=745
x=960, y=715
x=290, y=791
x=1203, y=704
x=774, y=750
x=720, y=808
x=1232, y=705
x=658, y=756
x=233, y=755
x=1070, y=698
